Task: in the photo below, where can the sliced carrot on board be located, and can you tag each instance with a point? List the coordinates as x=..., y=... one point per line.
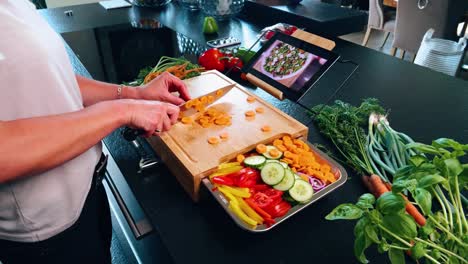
x=261, y=148
x=224, y=135
x=274, y=153
x=266, y=128
x=250, y=113
x=240, y=158
x=260, y=110
x=251, y=99
x=219, y=93
x=187, y=120
x=213, y=140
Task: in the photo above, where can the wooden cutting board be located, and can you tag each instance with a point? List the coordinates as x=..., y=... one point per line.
x=185, y=149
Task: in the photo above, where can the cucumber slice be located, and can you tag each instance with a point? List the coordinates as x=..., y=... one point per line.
x=287, y=182
x=255, y=161
x=268, y=156
x=284, y=164
x=272, y=173
x=301, y=191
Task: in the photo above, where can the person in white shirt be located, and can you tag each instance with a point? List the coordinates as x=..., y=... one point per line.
x=52, y=210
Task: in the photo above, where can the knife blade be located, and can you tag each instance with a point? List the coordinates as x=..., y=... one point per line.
x=211, y=97
x=130, y=134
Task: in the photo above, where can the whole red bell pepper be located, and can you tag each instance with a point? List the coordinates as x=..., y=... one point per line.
x=211, y=60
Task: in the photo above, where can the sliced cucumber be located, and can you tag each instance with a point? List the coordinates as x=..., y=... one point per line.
x=287, y=182
x=255, y=161
x=284, y=164
x=267, y=154
x=301, y=191
x=272, y=173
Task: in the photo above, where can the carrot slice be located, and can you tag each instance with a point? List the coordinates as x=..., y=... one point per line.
x=240, y=158
x=260, y=110
x=219, y=93
x=224, y=135
x=186, y=120
x=250, y=113
x=266, y=128
x=251, y=99
x=213, y=140
x=274, y=153
x=261, y=148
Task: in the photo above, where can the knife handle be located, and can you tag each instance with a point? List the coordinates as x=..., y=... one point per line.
x=130, y=134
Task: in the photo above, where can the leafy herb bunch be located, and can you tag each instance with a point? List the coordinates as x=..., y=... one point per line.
x=345, y=124
x=434, y=176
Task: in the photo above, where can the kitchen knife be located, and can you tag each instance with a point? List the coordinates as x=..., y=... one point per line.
x=131, y=134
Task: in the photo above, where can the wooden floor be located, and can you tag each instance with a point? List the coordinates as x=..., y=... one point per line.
x=376, y=40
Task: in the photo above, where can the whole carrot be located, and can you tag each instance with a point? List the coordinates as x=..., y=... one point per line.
x=414, y=212
x=378, y=185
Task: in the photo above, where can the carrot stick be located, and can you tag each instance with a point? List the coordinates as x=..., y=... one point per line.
x=379, y=187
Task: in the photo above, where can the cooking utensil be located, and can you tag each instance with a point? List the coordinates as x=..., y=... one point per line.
x=130, y=133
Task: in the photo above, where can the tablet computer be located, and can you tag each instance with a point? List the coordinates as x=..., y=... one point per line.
x=290, y=65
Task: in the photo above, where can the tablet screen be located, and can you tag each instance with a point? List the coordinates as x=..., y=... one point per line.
x=290, y=64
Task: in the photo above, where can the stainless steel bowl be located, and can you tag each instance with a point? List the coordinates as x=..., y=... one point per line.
x=150, y=3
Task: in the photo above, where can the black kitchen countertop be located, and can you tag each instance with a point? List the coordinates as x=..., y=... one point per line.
x=423, y=103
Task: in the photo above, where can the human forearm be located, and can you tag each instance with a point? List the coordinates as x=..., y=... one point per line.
x=37, y=144
x=94, y=91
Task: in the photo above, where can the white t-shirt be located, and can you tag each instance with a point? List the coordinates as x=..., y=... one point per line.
x=37, y=79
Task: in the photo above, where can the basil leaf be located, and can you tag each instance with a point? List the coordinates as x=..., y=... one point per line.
x=366, y=201
x=360, y=245
x=401, y=185
x=418, y=250
x=401, y=224
x=371, y=233
x=430, y=180
x=417, y=160
x=375, y=216
x=424, y=199
x=453, y=166
x=448, y=143
x=396, y=256
x=345, y=211
x=360, y=226
x=423, y=148
x=389, y=203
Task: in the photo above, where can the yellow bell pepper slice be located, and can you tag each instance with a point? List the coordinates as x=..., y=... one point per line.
x=228, y=165
x=229, y=196
x=237, y=211
x=225, y=171
x=249, y=211
x=236, y=191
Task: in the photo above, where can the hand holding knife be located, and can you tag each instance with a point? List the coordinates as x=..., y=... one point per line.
x=131, y=134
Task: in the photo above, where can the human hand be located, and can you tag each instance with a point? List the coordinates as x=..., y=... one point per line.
x=162, y=87
x=151, y=116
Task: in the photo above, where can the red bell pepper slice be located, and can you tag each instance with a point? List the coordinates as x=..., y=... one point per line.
x=279, y=209
x=223, y=180
x=265, y=215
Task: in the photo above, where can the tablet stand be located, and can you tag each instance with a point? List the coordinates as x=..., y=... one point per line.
x=299, y=34
x=312, y=39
